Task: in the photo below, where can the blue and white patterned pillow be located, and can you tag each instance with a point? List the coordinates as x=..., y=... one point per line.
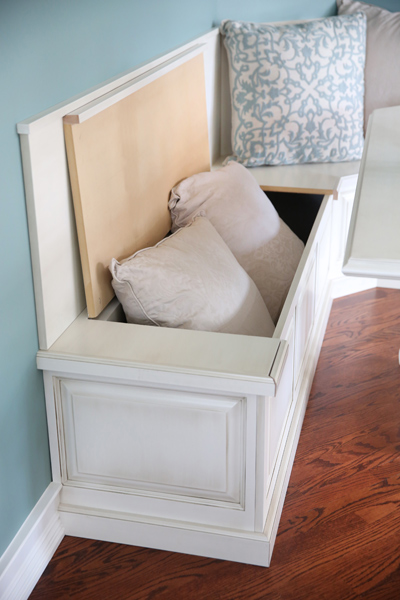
x=297, y=90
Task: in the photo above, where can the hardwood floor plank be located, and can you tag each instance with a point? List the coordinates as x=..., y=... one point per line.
x=339, y=536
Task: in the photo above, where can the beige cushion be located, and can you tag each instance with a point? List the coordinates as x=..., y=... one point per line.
x=190, y=280
x=382, y=63
x=248, y=223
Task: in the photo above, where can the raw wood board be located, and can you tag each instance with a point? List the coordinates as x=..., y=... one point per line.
x=123, y=162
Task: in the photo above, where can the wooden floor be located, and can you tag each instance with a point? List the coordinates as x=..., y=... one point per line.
x=339, y=536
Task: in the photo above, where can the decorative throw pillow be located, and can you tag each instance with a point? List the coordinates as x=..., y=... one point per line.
x=297, y=90
x=382, y=63
x=190, y=280
x=248, y=223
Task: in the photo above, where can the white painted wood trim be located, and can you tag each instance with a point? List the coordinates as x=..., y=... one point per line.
x=302, y=272
x=279, y=362
x=32, y=548
x=34, y=240
x=209, y=354
x=344, y=285
x=53, y=427
x=167, y=379
x=393, y=284
x=312, y=178
x=58, y=285
x=367, y=267
x=240, y=546
x=372, y=246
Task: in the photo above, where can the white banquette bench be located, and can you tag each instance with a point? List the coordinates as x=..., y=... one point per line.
x=169, y=438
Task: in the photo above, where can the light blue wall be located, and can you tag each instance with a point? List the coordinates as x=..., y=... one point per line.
x=274, y=10
x=51, y=50
x=393, y=5
x=281, y=10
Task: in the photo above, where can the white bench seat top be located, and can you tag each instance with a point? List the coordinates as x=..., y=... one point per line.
x=313, y=178
x=373, y=246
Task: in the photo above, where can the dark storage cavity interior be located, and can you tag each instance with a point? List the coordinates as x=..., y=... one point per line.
x=297, y=210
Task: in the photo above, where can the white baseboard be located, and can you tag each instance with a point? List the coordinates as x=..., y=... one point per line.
x=247, y=547
x=32, y=548
x=345, y=285
x=393, y=284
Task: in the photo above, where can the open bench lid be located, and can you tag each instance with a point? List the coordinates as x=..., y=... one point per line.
x=126, y=150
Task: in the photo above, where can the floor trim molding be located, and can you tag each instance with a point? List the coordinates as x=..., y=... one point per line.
x=32, y=548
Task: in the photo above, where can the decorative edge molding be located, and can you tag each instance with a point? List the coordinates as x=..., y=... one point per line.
x=32, y=548
x=369, y=267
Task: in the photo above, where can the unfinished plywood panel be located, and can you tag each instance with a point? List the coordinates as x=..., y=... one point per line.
x=124, y=160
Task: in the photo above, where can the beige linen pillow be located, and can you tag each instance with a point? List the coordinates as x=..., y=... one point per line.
x=248, y=223
x=382, y=63
x=190, y=280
